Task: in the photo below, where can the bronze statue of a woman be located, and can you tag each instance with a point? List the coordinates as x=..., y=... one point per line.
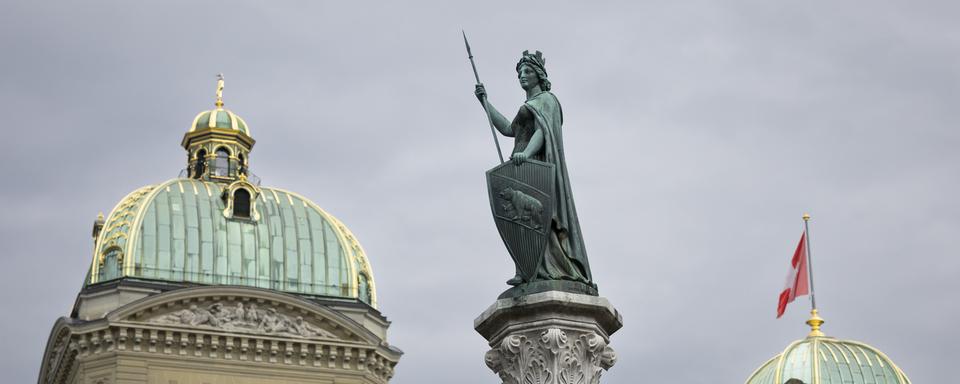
x=538, y=137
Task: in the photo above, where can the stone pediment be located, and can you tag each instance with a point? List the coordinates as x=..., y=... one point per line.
x=243, y=316
x=228, y=326
x=243, y=310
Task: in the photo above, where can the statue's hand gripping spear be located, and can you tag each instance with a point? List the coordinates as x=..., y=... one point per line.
x=484, y=99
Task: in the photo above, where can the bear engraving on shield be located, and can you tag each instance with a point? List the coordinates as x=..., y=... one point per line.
x=521, y=208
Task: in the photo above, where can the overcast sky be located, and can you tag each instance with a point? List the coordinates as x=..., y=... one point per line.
x=697, y=134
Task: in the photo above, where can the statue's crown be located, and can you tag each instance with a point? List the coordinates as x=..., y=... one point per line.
x=537, y=56
x=535, y=59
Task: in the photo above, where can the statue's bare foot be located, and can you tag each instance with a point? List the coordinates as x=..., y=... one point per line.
x=516, y=280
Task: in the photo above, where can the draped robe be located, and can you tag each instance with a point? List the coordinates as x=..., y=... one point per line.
x=565, y=256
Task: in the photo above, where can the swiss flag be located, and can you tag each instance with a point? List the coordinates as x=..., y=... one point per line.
x=797, y=283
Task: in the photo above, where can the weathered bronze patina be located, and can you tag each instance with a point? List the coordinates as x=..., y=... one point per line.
x=531, y=196
x=522, y=199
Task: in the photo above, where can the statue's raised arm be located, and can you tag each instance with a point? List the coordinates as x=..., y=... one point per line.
x=531, y=197
x=496, y=118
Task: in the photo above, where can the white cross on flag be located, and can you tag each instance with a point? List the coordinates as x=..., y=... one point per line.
x=797, y=283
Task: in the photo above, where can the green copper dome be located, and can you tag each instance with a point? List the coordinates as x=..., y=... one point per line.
x=219, y=118
x=188, y=231
x=818, y=359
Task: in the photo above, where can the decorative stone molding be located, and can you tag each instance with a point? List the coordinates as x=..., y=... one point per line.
x=156, y=340
x=249, y=318
x=244, y=310
x=227, y=326
x=550, y=338
x=551, y=356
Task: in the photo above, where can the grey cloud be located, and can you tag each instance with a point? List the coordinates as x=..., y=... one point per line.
x=697, y=133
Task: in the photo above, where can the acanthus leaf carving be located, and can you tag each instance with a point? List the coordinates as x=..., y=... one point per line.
x=551, y=356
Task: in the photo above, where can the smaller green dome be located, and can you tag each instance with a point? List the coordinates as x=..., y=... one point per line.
x=819, y=359
x=219, y=118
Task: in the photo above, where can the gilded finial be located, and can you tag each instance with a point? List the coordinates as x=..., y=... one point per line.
x=815, y=322
x=806, y=217
x=219, y=90
x=100, y=217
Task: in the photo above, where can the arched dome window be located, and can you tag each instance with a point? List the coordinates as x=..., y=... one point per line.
x=241, y=203
x=221, y=165
x=200, y=166
x=364, y=288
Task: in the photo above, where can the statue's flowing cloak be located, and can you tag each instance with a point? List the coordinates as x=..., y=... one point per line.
x=549, y=119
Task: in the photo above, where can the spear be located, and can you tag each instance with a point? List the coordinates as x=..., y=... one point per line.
x=484, y=100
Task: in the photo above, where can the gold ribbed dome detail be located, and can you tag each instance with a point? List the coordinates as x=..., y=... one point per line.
x=818, y=359
x=175, y=232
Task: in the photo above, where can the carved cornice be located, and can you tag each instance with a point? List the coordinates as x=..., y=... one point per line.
x=217, y=134
x=162, y=342
x=228, y=324
x=202, y=344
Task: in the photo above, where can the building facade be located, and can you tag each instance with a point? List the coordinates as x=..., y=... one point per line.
x=212, y=278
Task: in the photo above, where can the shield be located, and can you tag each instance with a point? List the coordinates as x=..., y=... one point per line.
x=522, y=200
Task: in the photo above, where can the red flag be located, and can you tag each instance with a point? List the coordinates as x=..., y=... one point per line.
x=797, y=283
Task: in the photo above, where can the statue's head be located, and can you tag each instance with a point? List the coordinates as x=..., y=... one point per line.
x=531, y=71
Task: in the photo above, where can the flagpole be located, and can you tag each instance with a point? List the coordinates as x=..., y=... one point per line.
x=806, y=239
x=815, y=320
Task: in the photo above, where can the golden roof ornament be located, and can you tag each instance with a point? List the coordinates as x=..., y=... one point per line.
x=219, y=102
x=815, y=322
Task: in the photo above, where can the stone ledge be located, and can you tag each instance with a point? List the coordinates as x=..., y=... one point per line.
x=545, y=306
x=549, y=285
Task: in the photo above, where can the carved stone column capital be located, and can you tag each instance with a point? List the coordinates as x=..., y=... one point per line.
x=549, y=338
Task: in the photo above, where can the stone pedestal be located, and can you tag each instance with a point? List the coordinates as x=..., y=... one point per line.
x=549, y=338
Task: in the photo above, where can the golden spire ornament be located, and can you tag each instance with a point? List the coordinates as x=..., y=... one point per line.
x=815, y=322
x=219, y=91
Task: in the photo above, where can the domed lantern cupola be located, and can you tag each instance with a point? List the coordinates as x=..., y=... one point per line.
x=218, y=148
x=218, y=144
x=216, y=225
